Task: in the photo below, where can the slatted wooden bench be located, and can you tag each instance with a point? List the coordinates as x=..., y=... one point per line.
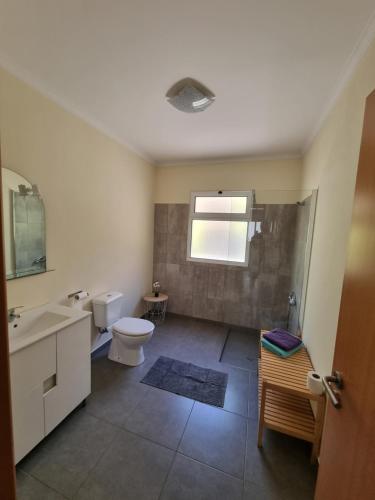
x=284, y=399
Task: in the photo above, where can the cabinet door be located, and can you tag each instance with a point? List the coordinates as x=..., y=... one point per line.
x=73, y=381
x=28, y=421
x=29, y=368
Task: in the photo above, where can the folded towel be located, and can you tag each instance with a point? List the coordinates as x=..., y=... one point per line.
x=280, y=352
x=283, y=339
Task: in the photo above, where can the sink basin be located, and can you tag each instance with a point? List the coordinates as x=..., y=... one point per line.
x=26, y=325
x=35, y=324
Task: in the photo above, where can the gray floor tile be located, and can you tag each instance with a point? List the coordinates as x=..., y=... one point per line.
x=191, y=480
x=161, y=416
x=106, y=372
x=241, y=348
x=263, y=465
x=114, y=402
x=237, y=393
x=133, y=468
x=253, y=396
x=298, y=492
x=63, y=460
x=136, y=373
x=253, y=491
x=29, y=488
x=217, y=438
x=189, y=340
x=283, y=464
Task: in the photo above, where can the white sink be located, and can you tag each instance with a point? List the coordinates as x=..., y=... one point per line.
x=35, y=324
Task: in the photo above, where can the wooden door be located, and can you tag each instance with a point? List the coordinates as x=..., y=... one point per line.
x=7, y=476
x=347, y=460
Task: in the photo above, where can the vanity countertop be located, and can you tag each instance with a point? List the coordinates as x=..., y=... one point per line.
x=40, y=322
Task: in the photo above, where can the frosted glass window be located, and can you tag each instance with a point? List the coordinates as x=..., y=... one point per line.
x=219, y=240
x=219, y=227
x=221, y=204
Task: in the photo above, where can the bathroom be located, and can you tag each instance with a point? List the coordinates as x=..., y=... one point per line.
x=84, y=184
x=176, y=218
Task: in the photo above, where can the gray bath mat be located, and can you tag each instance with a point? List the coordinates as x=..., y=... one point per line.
x=186, y=379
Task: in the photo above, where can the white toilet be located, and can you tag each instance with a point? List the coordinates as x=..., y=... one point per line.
x=128, y=334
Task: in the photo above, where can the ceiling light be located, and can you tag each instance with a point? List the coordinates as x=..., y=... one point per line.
x=190, y=96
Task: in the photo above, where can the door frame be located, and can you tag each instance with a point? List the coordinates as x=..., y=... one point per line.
x=7, y=469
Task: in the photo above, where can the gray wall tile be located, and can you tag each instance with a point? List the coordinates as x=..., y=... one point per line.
x=255, y=296
x=160, y=247
x=161, y=217
x=216, y=282
x=173, y=283
x=178, y=217
x=160, y=272
x=176, y=248
x=181, y=303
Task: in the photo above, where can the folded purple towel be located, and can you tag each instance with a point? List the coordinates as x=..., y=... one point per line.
x=283, y=339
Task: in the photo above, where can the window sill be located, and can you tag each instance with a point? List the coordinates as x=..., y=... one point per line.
x=219, y=262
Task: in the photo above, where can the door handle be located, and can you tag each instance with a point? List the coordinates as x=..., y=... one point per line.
x=336, y=379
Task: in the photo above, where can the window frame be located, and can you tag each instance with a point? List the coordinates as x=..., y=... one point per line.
x=220, y=216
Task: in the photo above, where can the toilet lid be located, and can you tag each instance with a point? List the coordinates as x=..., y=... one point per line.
x=133, y=326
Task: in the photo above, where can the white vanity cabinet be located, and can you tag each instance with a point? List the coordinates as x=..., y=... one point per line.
x=29, y=368
x=49, y=378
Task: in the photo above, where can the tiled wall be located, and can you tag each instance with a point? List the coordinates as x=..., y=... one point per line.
x=255, y=296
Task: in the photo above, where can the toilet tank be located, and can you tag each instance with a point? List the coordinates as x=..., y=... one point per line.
x=107, y=309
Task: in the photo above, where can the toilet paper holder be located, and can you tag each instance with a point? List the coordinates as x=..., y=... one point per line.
x=78, y=295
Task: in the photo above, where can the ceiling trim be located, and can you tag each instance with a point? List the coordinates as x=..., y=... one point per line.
x=43, y=89
x=233, y=159
x=366, y=37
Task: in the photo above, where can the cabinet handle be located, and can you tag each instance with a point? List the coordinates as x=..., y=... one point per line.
x=49, y=383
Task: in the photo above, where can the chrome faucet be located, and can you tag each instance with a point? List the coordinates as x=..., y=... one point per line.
x=12, y=315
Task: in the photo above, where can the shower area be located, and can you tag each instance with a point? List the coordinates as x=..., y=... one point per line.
x=269, y=292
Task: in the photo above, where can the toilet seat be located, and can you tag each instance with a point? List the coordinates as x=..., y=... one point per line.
x=133, y=327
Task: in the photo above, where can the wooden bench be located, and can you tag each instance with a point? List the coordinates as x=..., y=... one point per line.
x=284, y=399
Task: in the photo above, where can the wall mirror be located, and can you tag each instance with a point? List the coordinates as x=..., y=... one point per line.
x=24, y=226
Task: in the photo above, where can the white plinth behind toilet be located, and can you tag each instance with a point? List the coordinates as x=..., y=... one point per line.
x=128, y=334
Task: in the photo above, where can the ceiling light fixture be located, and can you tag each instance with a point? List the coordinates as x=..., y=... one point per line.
x=190, y=96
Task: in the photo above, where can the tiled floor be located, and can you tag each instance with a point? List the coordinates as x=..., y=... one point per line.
x=136, y=442
x=239, y=351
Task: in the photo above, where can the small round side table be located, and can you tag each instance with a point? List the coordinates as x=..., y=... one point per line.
x=155, y=307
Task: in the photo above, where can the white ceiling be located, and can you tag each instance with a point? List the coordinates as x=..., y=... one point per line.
x=273, y=65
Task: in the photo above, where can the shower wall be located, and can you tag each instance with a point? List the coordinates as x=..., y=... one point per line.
x=299, y=262
x=256, y=296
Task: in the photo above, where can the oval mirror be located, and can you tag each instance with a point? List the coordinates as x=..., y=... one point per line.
x=24, y=226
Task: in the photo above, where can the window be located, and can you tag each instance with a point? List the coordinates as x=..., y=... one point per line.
x=219, y=227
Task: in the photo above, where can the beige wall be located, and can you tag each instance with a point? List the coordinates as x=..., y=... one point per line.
x=175, y=183
x=331, y=165
x=98, y=197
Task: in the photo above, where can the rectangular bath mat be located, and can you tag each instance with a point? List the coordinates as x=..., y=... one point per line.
x=186, y=379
